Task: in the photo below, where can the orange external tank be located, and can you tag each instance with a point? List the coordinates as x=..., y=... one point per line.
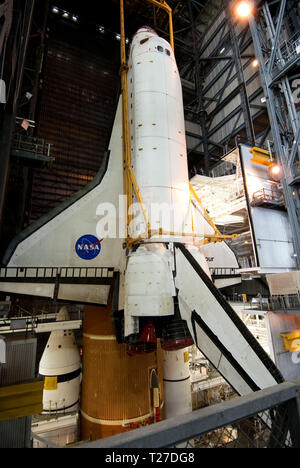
x=117, y=389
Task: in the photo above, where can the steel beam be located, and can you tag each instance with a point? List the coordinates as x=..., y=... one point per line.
x=276, y=38
x=241, y=80
x=278, y=144
x=199, y=90
x=14, y=88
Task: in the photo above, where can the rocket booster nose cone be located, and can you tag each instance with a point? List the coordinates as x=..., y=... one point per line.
x=63, y=314
x=61, y=354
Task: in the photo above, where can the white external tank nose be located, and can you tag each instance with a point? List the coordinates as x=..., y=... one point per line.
x=61, y=367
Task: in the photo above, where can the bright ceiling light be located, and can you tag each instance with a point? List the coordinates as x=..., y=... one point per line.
x=243, y=9
x=255, y=63
x=275, y=169
x=65, y=14
x=55, y=10
x=275, y=172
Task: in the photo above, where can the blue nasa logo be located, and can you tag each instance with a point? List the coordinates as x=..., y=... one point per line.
x=88, y=247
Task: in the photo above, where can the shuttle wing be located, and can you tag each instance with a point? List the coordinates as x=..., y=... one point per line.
x=70, y=241
x=218, y=331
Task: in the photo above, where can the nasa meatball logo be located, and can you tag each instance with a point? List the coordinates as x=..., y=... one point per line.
x=88, y=247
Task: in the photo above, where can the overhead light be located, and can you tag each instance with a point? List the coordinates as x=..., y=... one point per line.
x=75, y=18
x=255, y=63
x=118, y=37
x=263, y=99
x=55, y=10
x=243, y=9
x=66, y=14
x=275, y=169
x=127, y=40
x=275, y=172
x=101, y=29
x=222, y=50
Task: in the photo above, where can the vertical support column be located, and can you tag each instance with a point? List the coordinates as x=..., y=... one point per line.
x=280, y=148
x=125, y=117
x=199, y=78
x=23, y=14
x=241, y=80
x=294, y=416
x=274, y=35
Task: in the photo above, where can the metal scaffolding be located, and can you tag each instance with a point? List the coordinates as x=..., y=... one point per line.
x=270, y=36
x=220, y=76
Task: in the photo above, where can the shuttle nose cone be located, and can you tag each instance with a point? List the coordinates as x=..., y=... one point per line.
x=63, y=314
x=145, y=31
x=61, y=354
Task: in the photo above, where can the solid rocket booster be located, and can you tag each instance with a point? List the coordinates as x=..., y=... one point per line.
x=177, y=382
x=61, y=367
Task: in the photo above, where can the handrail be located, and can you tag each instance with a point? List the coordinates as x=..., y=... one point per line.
x=51, y=274
x=31, y=144
x=202, y=421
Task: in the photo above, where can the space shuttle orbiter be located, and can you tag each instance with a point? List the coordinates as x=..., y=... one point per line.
x=151, y=247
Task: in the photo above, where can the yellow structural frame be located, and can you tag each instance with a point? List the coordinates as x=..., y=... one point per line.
x=128, y=176
x=291, y=341
x=164, y=6
x=216, y=236
x=261, y=156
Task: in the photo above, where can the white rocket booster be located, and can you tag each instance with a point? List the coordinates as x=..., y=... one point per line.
x=164, y=279
x=177, y=382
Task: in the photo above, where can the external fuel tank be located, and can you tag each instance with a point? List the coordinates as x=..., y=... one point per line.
x=117, y=389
